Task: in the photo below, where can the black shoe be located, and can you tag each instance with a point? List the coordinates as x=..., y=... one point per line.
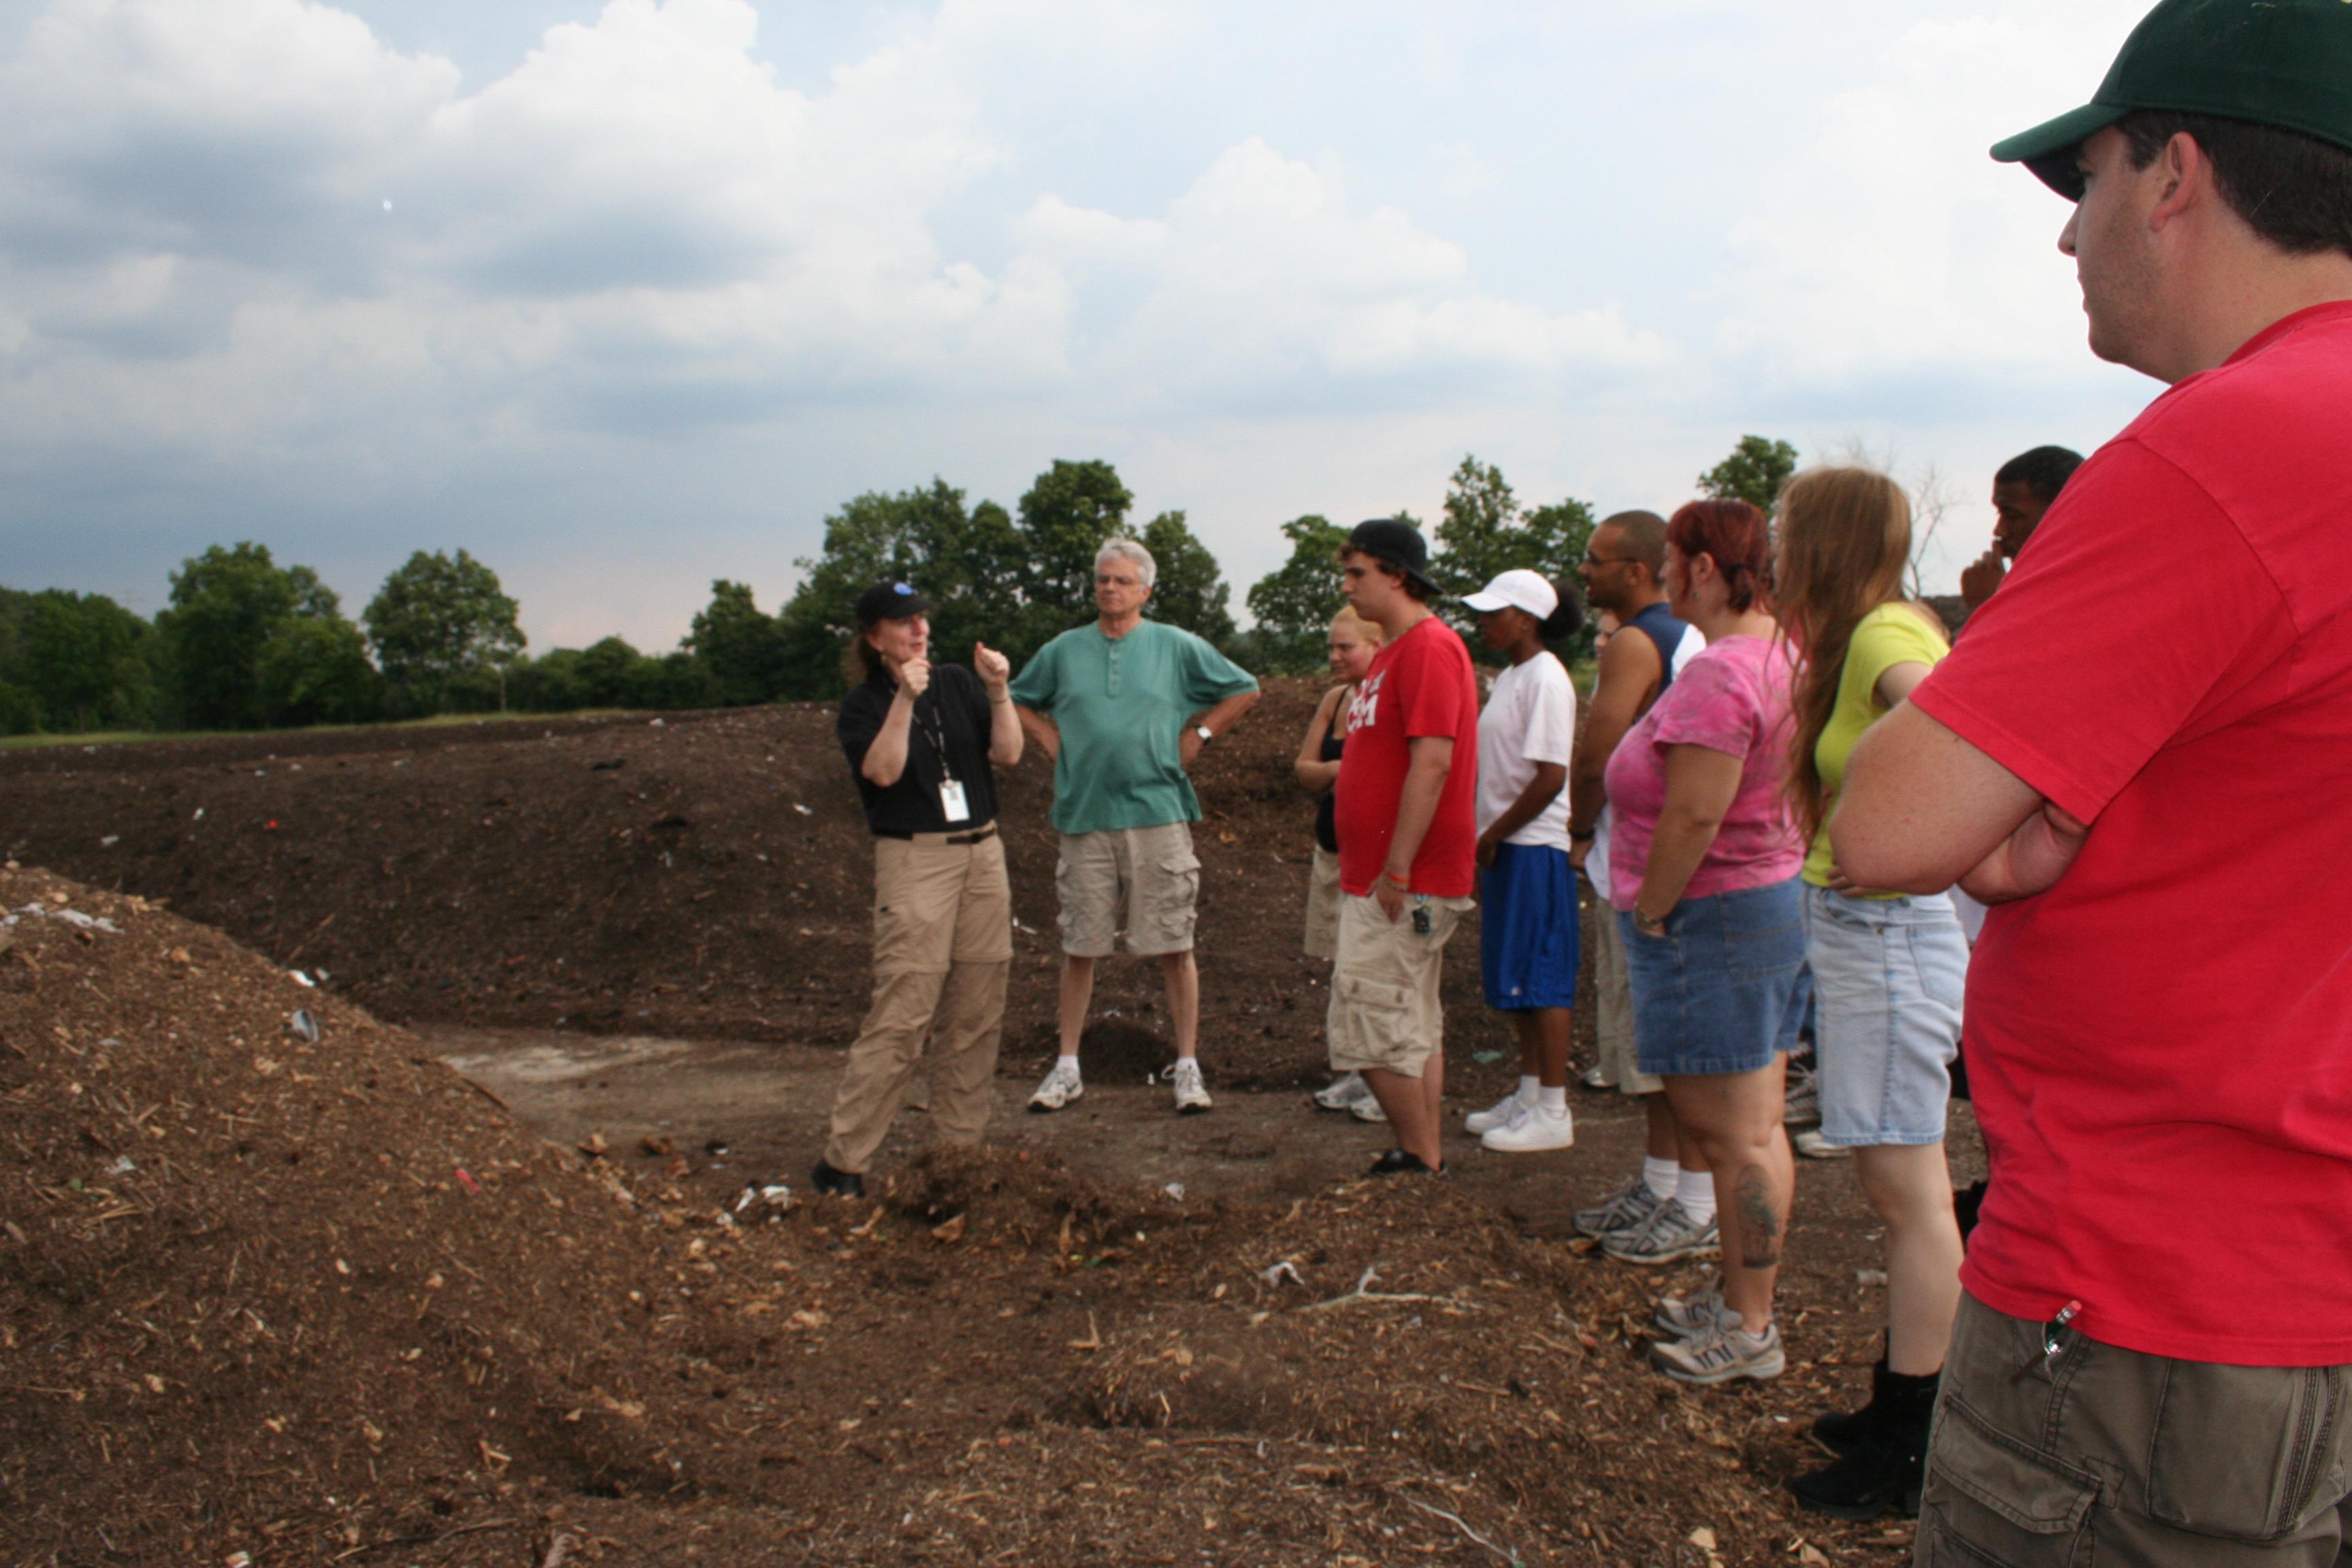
x=1881, y=1473
x=837, y=1184
x=1401, y=1162
x=1843, y=1431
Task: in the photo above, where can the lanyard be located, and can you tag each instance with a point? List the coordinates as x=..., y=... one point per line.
x=935, y=731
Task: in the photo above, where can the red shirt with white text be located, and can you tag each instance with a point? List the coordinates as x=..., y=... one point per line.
x=1418, y=685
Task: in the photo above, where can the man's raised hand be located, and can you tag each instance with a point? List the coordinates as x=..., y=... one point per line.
x=1980, y=577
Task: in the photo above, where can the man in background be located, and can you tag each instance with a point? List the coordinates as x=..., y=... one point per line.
x=1407, y=820
x=2022, y=491
x=1123, y=705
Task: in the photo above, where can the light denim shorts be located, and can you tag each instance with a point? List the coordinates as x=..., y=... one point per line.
x=1723, y=991
x=1888, y=977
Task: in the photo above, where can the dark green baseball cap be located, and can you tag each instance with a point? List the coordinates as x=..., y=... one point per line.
x=2286, y=63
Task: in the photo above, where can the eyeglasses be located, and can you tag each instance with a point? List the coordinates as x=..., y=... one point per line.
x=1593, y=560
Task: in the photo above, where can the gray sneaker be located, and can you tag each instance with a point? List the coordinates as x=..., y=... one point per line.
x=1628, y=1208
x=1721, y=1354
x=1802, y=1105
x=1342, y=1093
x=1689, y=1318
x=1670, y=1235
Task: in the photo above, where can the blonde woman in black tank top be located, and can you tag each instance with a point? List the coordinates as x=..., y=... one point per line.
x=1354, y=642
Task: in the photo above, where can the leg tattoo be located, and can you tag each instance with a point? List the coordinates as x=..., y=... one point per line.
x=1760, y=1247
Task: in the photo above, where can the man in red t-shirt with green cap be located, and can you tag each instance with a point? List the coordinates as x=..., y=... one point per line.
x=2138, y=755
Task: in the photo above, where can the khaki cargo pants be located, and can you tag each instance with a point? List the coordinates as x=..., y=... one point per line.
x=942, y=947
x=2109, y=1458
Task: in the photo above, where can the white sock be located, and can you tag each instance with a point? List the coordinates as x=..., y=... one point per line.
x=1552, y=1101
x=1067, y=1064
x=1659, y=1175
x=1529, y=1087
x=1695, y=1190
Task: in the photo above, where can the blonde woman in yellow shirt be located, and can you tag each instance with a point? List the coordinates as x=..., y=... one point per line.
x=1889, y=970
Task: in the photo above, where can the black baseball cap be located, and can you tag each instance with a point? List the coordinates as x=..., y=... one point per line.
x=889, y=601
x=1393, y=539
x=2282, y=63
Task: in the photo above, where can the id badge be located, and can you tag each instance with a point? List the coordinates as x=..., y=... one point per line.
x=951, y=802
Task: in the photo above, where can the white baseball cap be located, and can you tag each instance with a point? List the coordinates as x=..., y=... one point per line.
x=1518, y=589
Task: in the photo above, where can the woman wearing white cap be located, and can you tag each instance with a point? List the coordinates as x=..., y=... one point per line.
x=1527, y=932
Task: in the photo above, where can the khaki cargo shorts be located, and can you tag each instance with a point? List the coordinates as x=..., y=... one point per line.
x=1613, y=1006
x=1385, y=1011
x=1323, y=897
x=1140, y=882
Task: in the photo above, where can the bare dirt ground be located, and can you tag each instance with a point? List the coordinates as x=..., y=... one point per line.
x=296, y=1300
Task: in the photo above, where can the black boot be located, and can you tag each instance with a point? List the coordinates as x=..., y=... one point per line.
x=837, y=1184
x=1882, y=1471
x=1844, y=1430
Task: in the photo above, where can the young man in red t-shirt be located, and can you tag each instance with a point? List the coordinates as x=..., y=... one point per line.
x=1404, y=809
x=2137, y=754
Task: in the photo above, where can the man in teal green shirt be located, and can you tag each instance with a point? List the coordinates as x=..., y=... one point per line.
x=1123, y=705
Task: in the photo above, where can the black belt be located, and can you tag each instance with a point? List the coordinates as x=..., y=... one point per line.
x=977, y=835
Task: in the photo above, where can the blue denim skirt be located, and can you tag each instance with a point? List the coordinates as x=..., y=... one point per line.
x=1724, y=990
x=1889, y=975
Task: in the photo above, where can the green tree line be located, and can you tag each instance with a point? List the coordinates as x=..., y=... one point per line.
x=244, y=642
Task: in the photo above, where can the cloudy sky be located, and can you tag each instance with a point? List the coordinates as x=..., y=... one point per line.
x=622, y=298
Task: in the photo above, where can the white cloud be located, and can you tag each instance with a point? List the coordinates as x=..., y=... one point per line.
x=1893, y=242
x=675, y=265
x=1261, y=278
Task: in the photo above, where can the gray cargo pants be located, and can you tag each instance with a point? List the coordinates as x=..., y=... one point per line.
x=2103, y=1455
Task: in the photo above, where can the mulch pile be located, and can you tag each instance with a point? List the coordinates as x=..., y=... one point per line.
x=699, y=874
x=267, y=1299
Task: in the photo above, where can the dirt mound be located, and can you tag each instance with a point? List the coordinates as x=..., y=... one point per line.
x=270, y=1277
x=704, y=875
x=285, y=1299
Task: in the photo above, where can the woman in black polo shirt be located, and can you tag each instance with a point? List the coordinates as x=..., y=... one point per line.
x=921, y=739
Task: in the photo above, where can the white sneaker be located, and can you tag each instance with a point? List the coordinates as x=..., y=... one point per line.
x=1369, y=1107
x=1192, y=1096
x=1342, y=1093
x=1062, y=1086
x=1535, y=1130
x=1813, y=1146
x=1502, y=1113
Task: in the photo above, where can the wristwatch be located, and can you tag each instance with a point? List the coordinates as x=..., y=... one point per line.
x=1649, y=925
x=1205, y=733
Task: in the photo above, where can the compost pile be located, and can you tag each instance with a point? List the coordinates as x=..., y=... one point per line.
x=276, y=1288
x=703, y=875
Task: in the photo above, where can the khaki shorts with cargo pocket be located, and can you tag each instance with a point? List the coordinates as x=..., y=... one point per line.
x=1140, y=882
x=1385, y=1011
